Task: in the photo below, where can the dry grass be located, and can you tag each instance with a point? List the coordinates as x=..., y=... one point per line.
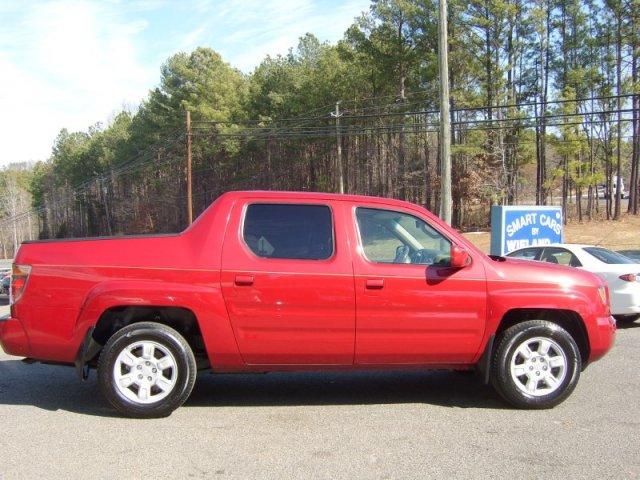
x=619, y=235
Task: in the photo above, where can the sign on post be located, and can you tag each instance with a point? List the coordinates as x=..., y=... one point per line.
x=514, y=227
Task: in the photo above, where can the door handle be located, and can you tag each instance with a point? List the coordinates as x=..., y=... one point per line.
x=374, y=283
x=244, y=280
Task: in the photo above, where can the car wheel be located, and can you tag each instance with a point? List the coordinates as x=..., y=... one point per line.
x=536, y=364
x=146, y=370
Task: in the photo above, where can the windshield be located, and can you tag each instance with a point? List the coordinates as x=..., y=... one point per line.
x=607, y=256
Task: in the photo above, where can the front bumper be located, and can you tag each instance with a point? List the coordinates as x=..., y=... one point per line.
x=604, y=337
x=13, y=337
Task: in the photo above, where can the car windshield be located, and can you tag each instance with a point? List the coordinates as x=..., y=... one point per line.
x=607, y=256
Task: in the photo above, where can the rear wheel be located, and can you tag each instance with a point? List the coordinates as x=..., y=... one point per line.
x=536, y=364
x=146, y=370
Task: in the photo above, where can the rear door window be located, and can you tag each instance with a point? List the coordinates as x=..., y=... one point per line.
x=561, y=256
x=289, y=231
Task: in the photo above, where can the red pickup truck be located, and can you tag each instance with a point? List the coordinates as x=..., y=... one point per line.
x=277, y=281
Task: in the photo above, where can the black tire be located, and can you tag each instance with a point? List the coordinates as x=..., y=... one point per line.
x=167, y=340
x=518, y=393
x=626, y=319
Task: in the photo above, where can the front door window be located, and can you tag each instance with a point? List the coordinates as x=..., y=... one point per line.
x=395, y=237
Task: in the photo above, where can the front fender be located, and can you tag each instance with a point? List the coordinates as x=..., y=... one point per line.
x=506, y=296
x=503, y=300
x=205, y=301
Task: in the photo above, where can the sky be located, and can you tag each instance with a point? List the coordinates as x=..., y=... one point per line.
x=72, y=63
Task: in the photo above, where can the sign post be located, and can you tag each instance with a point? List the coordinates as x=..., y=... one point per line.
x=514, y=227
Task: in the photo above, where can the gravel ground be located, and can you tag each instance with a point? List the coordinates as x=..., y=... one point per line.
x=324, y=425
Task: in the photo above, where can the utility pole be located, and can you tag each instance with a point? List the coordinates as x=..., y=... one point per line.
x=337, y=116
x=189, y=184
x=445, y=119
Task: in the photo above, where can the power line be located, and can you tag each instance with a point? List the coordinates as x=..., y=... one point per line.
x=303, y=127
x=350, y=130
x=413, y=112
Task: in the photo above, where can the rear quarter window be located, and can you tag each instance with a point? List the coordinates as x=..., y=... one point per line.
x=608, y=256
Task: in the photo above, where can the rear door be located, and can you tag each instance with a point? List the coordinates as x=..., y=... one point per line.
x=287, y=281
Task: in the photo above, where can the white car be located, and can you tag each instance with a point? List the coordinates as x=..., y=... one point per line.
x=602, y=189
x=622, y=274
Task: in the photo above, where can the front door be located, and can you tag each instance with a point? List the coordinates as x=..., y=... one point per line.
x=287, y=281
x=412, y=307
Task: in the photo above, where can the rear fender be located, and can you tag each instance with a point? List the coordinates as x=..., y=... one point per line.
x=205, y=301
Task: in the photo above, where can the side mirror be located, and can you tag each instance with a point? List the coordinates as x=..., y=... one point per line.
x=459, y=257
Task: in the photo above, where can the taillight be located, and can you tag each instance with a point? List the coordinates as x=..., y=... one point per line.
x=19, y=277
x=629, y=277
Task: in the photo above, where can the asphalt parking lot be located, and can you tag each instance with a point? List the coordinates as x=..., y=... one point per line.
x=372, y=425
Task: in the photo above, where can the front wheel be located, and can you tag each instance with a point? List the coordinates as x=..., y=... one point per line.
x=536, y=364
x=146, y=370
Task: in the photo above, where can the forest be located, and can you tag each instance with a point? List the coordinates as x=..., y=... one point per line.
x=545, y=103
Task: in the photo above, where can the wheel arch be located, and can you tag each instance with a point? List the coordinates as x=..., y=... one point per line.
x=202, y=303
x=570, y=320
x=181, y=319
